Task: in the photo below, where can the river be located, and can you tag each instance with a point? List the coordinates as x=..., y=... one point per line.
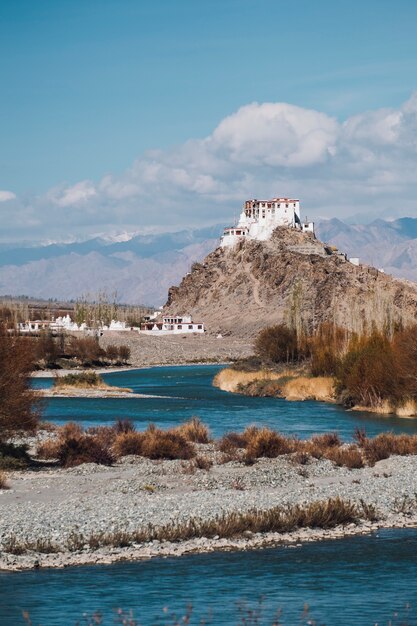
x=360, y=580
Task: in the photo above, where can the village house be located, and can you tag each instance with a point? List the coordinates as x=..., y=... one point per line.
x=172, y=325
x=259, y=218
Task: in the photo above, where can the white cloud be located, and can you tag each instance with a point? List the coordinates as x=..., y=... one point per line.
x=363, y=164
x=78, y=193
x=6, y=195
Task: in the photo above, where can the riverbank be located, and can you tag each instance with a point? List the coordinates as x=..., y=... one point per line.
x=65, y=512
x=290, y=385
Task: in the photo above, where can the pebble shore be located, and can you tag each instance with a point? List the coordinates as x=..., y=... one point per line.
x=53, y=503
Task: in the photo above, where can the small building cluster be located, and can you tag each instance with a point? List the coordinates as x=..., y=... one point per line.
x=259, y=218
x=172, y=325
x=64, y=324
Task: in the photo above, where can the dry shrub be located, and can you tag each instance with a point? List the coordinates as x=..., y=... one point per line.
x=267, y=443
x=326, y=440
x=70, y=430
x=128, y=443
x=385, y=444
x=3, y=481
x=73, y=446
x=20, y=405
x=203, y=463
x=278, y=344
x=327, y=347
x=76, y=451
x=166, y=444
x=49, y=449
x=367, y=372
x=231, y=442
x=345, y=456
x=194, y=430
x=123, y=426
x=104, y=435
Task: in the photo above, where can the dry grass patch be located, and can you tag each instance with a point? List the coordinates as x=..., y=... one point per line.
x=386, y=444
x=229, y=379
x=194, y=430
x=264, y=442
x=3, y=481
x=166, y=444
x=128, y=443
x=321, y=388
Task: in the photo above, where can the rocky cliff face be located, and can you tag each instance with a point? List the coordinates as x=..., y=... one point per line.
x=293, y=278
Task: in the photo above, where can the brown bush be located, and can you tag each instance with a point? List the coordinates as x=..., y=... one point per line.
x=194, y=430
x=112, y=352
x=87, y=350
x=3, y=481
x=104, y=435
x=367, y=373
x=124, y=426
x=231, y=442
x=70, y=430
x=49, y=449
x=127, y=443
x=349, y=456
x=124, y=353
x=267, y=443
x=277, y=344
x=20, y=405
x=326, y=440
x=327, y=346
x=385, y=444
x=166, y=444
x=75, y=451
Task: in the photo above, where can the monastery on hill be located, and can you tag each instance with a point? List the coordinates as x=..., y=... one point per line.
x=259, y=219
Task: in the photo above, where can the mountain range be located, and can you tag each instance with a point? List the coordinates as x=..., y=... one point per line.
x=141, y=268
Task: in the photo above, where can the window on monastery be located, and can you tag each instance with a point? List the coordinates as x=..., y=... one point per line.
x=190, y=326
x=199, y=326
x=179, y=327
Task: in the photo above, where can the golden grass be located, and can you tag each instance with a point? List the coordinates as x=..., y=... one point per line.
x=229, y=379
x=293, y=387
x=320, y=388
x=408, y=409
x=3, y=481
x=194, y=430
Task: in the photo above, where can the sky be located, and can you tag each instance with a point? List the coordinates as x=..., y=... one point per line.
x=131, y=115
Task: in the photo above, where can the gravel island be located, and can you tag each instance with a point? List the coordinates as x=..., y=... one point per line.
x=63, y=508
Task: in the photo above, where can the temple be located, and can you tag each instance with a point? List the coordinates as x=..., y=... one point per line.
x=259, y=218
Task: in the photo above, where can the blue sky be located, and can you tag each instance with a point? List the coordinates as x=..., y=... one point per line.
x=89, y=86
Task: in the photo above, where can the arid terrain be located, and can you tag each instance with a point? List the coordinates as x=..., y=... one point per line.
x=292, y=278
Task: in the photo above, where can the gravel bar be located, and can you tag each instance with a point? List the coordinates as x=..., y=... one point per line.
x=54, y=503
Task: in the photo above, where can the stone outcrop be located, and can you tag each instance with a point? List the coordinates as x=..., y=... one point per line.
x=292, y=278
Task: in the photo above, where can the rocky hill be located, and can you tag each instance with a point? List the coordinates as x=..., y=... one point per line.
x=292, y=277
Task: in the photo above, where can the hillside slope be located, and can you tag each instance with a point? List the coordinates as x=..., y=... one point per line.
x=294, y=278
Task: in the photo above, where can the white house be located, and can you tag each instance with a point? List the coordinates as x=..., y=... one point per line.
x=172, y=325
x=259, y=218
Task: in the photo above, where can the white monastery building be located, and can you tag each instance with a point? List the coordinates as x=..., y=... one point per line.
x=259, y=219
x=172, y=325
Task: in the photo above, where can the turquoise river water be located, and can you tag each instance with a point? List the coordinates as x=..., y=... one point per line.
x=360, y=580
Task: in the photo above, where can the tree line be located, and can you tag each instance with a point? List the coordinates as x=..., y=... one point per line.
x=369, y=368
